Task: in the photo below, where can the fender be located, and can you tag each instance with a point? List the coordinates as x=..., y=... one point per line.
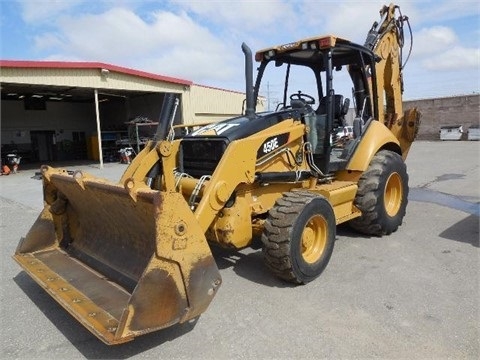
x=376, y=137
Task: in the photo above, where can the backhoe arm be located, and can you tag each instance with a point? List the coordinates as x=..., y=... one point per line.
x=386, y=40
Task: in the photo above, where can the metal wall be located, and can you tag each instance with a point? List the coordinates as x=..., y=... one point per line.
x=211, y=104
x=86, y=78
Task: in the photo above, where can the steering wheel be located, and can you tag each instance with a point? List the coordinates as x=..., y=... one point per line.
x=310, y=100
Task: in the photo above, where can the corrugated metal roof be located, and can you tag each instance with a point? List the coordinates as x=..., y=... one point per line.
x=89, y=65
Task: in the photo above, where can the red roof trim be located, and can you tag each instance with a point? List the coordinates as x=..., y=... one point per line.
x=89, y=65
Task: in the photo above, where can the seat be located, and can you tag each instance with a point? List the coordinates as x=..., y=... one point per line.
x=338, y=109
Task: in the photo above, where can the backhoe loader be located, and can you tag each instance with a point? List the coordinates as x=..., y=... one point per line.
x=133, y=257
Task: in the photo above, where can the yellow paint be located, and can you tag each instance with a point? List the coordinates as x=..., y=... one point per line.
x=376, y=137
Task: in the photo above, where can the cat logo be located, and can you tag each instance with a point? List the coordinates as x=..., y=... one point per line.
x=214, y=129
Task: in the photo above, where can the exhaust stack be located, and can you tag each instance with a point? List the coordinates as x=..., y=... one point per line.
x=250, y=110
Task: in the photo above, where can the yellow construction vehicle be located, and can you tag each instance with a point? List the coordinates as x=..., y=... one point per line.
x=133, y=257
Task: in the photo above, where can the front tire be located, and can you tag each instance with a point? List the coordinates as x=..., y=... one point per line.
x=298, y=236
x=382, y=195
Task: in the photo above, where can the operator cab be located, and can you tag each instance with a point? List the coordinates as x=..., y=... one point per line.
x=335, y=65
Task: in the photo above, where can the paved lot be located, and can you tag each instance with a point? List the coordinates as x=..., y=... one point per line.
x=411, y=295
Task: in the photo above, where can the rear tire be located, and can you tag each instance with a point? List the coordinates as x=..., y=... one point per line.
x=298, y=236
x=382, y=195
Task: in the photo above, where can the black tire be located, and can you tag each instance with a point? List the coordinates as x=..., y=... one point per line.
x=298, y=236
x=382, y=195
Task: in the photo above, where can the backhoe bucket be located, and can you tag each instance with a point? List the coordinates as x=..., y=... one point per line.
x=122, y=260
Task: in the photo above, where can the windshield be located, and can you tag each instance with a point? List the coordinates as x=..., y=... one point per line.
x=280, y=82
x=276, y=88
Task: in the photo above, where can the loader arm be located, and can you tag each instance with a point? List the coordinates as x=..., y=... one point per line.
x=147, y=167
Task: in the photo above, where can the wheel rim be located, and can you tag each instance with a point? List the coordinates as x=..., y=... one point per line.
x=314, y=238
x=393, y=194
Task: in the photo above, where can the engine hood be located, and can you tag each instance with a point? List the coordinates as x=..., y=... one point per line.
x=242, y=126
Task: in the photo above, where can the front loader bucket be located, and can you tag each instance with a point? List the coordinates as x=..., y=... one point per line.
x=122, y=260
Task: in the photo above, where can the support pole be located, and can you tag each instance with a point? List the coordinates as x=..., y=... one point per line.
x=99, y=134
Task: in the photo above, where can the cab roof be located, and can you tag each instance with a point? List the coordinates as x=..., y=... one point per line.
x=308, y=51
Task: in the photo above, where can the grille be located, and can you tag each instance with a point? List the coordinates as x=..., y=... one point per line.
x=201, y=156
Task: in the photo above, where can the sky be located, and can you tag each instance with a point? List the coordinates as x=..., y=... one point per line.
x=200, y=40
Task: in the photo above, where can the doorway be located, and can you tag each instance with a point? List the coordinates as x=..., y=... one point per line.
x=43, y=145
